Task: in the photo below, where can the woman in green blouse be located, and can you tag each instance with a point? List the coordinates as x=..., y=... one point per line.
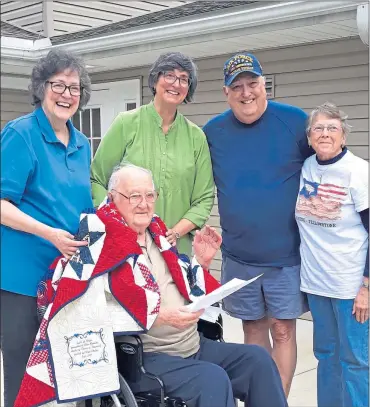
x=157, y=137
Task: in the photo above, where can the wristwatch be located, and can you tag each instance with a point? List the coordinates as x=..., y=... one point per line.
x=365, y=284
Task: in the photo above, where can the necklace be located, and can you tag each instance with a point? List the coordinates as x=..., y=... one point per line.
x=321, y=170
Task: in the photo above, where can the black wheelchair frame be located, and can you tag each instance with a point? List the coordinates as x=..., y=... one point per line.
x=131, y=367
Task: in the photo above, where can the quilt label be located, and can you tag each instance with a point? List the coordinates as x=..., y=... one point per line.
x=86, y=348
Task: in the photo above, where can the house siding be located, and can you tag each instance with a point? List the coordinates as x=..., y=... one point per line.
x=69, y=16
x=305, y=76
x=27, y=14
x=14, y=103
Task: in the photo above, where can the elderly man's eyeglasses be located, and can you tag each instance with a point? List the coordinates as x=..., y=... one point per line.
x=60, y=88
x=171, y=78
x=136, y=199
x=319, y=129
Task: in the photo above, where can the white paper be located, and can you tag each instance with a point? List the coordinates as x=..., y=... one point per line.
x=219, y=294
x=211, y=314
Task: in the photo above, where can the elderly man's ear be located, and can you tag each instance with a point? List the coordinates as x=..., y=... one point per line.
x=110, y=196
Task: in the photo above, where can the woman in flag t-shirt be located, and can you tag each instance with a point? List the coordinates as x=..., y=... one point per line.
x=332, y=213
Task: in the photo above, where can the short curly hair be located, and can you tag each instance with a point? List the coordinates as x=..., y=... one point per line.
x=54, y=62
x=170, y=61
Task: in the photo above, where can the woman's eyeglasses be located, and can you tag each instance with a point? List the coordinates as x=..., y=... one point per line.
x=171, y=78
x=60, y=88
x=320, y=129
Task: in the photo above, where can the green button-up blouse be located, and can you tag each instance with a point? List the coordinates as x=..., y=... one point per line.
x=179, y=160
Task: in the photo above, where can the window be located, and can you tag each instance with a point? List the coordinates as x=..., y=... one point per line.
x=130, y=106
x=89, y=123
x=270, y=86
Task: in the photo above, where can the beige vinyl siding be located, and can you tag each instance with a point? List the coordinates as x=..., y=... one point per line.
x=14, y=104
x=25, y=14
x=69, y=16
x=305, y=76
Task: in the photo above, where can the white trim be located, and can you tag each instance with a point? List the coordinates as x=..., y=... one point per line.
x=199, y=25
x=112, y=98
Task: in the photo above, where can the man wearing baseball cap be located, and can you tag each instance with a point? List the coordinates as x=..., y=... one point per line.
x=257, y=149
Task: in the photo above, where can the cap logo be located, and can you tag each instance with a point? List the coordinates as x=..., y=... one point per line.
x=241, y=63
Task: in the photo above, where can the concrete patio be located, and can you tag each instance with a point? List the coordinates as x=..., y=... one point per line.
x=303, y=391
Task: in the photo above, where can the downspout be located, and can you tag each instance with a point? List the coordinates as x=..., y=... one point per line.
x=363, y=22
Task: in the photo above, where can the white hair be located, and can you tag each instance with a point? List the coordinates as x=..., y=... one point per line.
x=127, y=169
x=331, y=111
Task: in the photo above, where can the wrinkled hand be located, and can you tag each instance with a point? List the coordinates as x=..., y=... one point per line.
x=171, y=237
x=179, y=318
x=65, y=242
x=206, y=243
x=361, y=305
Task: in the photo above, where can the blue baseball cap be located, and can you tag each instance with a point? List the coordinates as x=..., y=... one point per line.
x=239, y=63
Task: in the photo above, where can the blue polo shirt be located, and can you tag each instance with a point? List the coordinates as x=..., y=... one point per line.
x=256, y=169
x=46, y=180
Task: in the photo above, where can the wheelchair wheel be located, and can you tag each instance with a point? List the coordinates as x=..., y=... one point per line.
x=126, y=396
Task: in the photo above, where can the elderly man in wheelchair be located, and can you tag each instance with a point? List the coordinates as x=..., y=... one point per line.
x=171, y=363
x=197, y=370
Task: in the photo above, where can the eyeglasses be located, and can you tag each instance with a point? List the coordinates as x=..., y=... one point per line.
x=320, y=129
x=60, y=88
x=171, y=78
x=136, y=199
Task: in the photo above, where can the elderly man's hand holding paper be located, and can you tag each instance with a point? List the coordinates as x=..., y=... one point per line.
x=219, y=294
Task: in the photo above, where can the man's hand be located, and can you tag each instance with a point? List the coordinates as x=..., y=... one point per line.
x=179, y=318
x=65, y=242
x=361, y=305
x=206, y=243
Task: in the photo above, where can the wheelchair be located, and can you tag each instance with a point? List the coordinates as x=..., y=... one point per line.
x=131, y=367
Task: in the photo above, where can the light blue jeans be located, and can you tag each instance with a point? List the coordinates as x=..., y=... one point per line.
x=341, y=346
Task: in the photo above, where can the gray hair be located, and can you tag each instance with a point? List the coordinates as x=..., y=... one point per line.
x=122, y=168
x=331, y=111
x=169, y=62
x=54, y=62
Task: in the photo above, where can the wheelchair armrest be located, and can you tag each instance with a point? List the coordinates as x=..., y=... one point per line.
x=130, y=364
x=130, y=359
x=211, y=330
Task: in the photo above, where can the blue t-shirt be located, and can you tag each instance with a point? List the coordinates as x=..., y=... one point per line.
x=46, y=180
x=256, y=168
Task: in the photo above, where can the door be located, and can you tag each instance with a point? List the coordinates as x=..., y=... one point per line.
x=107, y=100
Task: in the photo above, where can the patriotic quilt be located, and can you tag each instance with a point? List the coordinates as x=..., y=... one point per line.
x=105, y=289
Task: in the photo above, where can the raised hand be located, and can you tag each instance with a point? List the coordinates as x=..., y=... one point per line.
x=206, y=243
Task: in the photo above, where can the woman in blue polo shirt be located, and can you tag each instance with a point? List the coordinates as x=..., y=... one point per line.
x=45, y=184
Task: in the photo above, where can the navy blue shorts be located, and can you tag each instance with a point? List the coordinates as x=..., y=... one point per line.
x=276, y=294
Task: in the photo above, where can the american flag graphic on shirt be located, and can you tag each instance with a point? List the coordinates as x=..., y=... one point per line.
x=322, y=201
